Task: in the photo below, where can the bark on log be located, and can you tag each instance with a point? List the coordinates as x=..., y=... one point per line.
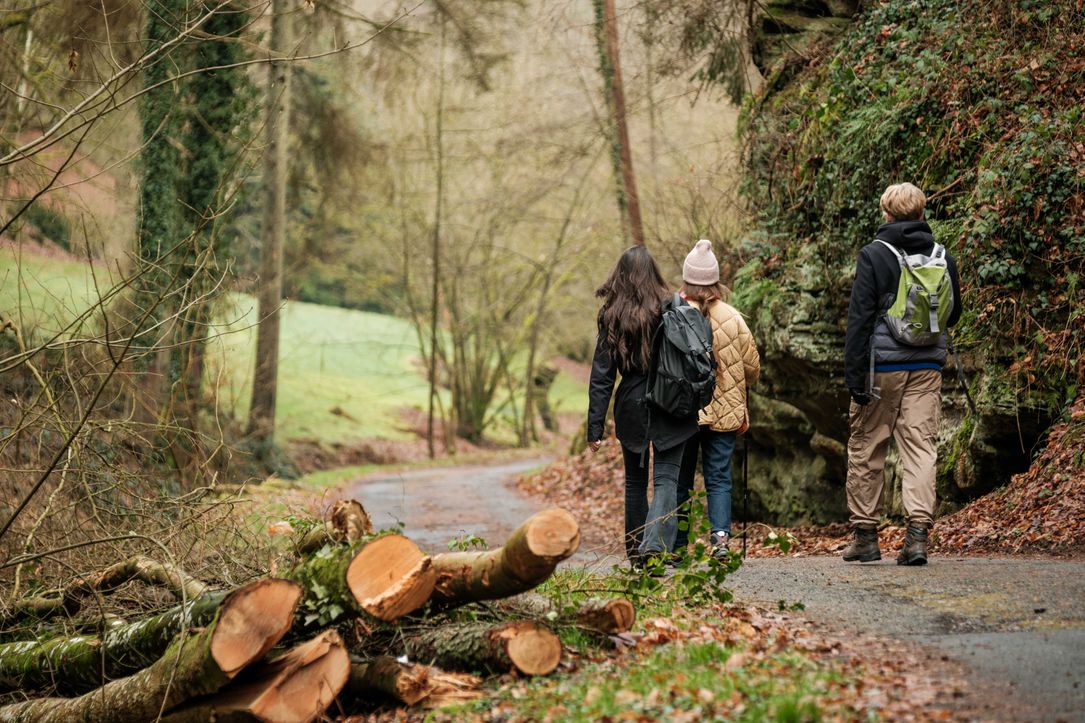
x=387, y=578
x=82, y=663
x=70, y=599
x=526, y=559
x=247, y=625
x=296, y=687
x=610, y=616
x=410, y=683
x=521, y=645
x=348, y=522
x=385, y=675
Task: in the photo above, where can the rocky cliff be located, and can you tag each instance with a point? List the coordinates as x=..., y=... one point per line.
x=981, y=104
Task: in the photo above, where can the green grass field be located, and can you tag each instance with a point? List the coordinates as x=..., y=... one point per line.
x=344, y=375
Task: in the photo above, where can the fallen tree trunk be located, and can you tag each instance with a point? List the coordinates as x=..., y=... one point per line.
x=521, y=645
x=386, y=578
x=609, y=616
x=526, y=559
x=410, y=683
x=296, y=687
x=247, y=625
x=81, y=663
x=70, y=599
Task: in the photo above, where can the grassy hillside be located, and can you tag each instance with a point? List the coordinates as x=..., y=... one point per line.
x=344, y=375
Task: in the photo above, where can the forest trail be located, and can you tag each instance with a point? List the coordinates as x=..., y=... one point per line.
x=1012, y=628
x=1016, y=626
x=439, y=504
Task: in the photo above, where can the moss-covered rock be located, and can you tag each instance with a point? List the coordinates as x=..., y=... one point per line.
x=981, y=105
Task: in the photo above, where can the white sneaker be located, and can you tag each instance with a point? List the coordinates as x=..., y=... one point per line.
x=719, y=541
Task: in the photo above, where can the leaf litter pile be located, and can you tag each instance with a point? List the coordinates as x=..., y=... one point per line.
x=1039, y=511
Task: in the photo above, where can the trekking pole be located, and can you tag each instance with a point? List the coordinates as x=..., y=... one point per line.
x=745, y=490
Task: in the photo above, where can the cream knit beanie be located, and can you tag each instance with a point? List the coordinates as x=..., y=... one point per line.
x=701, y=267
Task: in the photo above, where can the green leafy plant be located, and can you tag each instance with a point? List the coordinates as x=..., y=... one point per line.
x=465, y=542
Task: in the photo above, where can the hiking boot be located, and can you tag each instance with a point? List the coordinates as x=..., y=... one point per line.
x=864, y=547
x=914, y=551
x=719, y=541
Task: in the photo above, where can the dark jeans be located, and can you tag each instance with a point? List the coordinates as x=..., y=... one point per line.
x=716, y=450
x=651, y=530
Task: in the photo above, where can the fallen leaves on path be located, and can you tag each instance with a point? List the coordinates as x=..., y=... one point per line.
x=1041, y=510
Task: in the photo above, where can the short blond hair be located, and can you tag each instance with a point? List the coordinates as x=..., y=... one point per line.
x=903, y=202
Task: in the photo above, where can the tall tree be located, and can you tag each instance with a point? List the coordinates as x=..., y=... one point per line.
x=219, y=100
x=265, y=378
x=610, y=67
x=436, y=286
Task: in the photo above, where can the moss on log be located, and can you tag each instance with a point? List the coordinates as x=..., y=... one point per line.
x=385, y=578
x=521, y=645
x=246, y=626
x=77, y=664
x=526, y=559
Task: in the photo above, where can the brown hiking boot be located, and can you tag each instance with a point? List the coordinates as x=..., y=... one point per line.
x=864, y=547
x=914, y=551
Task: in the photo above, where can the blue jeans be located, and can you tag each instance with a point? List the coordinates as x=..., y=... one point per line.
x=652, y=529
x=716, y=450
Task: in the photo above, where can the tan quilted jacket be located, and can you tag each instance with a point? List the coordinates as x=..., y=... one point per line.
x=739, y=367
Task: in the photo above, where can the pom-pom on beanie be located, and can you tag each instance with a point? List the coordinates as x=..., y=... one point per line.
x=701, y=267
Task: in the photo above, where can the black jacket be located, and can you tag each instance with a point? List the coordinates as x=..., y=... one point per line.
x=877, y=274
x=635, y=426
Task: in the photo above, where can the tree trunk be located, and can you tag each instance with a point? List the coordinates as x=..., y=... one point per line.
x=81, y=663
x=265, y=378
x=385, y=675
x=521, y=645
x=296, y=687
x=610, y=616
x=606, y=36
x=436, y=255
x=386, y=579
x=529, y=556
x=248, y=624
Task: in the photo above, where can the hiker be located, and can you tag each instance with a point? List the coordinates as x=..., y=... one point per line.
x=894, y=350
x=633, y=297
x=726, y=416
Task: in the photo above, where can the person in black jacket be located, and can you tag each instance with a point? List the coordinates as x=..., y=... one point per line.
x=896, y=388
x=633, y=297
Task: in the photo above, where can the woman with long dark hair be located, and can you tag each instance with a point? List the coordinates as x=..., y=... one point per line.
x=633, y=297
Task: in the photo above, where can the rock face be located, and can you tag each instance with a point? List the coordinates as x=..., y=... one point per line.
x=859, y=95
x=800, y=411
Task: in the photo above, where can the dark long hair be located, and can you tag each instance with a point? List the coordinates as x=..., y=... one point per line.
x=632, y=296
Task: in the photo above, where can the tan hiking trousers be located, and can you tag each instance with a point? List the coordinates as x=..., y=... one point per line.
x=908, y=411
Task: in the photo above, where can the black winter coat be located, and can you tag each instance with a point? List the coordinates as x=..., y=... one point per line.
x=877, y=275
x=634, y=423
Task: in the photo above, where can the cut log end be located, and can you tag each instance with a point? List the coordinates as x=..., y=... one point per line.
x=533, y=649
x=553, y=534
x=251, y=621
x=296, y=687
x=309, y=691
x=607, y=616
x=391, y=577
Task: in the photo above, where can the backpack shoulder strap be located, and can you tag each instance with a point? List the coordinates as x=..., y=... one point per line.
x=897, y=253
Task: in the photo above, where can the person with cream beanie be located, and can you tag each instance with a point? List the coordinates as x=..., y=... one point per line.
x=726, y=416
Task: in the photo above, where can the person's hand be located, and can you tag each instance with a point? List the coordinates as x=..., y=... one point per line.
x=594, y=446
x=861, y=398
x=745, y=427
